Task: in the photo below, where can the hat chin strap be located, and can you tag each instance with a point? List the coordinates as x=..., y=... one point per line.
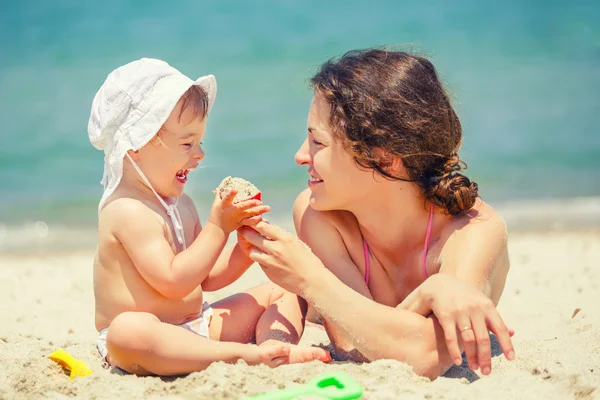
x=172, y=211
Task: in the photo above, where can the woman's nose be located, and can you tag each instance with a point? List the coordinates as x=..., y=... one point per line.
x=302, y=156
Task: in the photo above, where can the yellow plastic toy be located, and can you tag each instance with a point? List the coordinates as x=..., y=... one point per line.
x=77, y=367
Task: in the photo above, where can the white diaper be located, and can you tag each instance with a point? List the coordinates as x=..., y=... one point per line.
x=199, y=326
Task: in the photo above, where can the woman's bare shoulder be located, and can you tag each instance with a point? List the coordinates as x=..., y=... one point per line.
x=475, y=241
x=475, y=249
x=482, y=219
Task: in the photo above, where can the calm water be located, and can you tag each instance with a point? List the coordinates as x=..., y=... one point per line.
x=525, y=76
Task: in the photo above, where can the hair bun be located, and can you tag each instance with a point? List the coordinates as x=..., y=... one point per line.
x=453, y=164
x=452, y=191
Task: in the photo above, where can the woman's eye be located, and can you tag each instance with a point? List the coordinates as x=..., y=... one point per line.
x=188, y=144
x=317, y=143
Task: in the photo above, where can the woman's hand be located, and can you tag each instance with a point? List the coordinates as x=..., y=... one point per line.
x=285, y=259
x=465, y=312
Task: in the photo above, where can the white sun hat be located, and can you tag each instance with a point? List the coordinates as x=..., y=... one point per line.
x=132, y=104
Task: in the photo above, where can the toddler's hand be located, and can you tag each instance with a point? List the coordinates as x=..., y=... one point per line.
x=229, y=216
x=245, y=245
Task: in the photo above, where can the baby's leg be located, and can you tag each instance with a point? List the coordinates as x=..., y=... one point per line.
x=141, y=344
x=266, y=315
x=258, y=314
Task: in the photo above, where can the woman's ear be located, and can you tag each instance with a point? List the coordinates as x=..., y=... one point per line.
x=397, y=166
x=391, y=163
x=387, y=161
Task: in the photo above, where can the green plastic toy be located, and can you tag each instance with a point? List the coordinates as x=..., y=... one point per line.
x=333, y=386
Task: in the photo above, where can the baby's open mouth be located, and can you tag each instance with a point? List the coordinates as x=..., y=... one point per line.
x=182, y=175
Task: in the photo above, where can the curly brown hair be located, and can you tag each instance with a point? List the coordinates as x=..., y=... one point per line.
x=392, y=104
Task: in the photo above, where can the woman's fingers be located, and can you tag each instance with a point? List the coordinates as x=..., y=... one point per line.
x=255, y=238
x=271, y=231
x=503, y=334
x=258, y=257
x=468, y=337
x=482, y=338
x=449, y=327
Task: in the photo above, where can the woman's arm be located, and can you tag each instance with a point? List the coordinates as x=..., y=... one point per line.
x=332, y=252
x=378, y=331
x=476, y=254
x=362, y=326
x=474, y=261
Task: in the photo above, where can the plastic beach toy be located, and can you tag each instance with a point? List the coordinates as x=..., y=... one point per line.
x=333, y=386
x=77, y=367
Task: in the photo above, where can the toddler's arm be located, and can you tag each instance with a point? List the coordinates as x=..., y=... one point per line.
x=142, y=234
x=229, y=267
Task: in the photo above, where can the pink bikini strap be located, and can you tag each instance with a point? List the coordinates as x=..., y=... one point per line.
x=426, y=247
x=367, y=261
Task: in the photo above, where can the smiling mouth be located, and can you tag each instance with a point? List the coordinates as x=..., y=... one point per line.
x=182, y=175
x=312, y=180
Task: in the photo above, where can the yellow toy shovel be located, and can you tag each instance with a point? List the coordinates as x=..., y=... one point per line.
x=67, y=361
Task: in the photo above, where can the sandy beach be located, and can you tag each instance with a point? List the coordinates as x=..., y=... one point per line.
x=551, y=301
x=522, y=77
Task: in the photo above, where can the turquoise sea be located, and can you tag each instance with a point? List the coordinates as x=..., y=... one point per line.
x=524, y=75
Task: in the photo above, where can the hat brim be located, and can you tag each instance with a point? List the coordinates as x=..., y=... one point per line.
x=209, y=84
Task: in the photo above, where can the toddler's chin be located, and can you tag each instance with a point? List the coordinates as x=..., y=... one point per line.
x=172, y=192
x=177, y=192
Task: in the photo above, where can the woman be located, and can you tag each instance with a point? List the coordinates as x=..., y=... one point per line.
x=408, y=261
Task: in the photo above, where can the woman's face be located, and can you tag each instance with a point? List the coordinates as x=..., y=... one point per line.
x=335, y=180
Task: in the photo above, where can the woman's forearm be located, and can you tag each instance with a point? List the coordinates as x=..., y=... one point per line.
x=343, y=348
x=418, y=301
x=377, y=331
